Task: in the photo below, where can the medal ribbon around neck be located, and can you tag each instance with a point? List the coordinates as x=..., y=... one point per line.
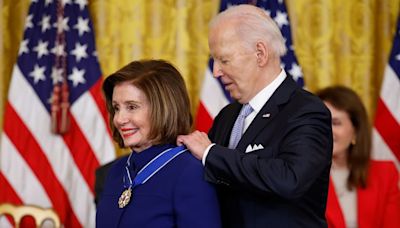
x=151, y=168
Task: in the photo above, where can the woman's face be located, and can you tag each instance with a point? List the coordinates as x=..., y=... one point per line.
x=132, y=116
x=343, y=131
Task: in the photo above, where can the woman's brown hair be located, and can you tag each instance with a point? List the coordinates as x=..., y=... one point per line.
x=166, y=92
x=345, y=99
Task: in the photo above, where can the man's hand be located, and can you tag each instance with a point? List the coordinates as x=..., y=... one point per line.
x=197, y=142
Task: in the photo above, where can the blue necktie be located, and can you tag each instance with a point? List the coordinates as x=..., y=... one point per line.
x=237, y=129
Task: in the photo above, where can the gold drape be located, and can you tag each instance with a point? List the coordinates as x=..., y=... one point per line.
x=336, y=41
x=12, y=19
x=175, y=30
x=344, y=42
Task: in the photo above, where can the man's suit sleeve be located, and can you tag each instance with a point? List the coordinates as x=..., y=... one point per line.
x=101, y=174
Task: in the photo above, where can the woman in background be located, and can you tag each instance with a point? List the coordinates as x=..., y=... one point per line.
x=158, y=184
x=362, y=192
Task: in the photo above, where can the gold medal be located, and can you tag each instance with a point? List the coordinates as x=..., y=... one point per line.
x=125, y=197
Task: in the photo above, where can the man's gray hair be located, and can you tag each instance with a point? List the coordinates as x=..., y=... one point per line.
x=252, y=25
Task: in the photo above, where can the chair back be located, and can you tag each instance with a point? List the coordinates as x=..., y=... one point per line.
x=39, y=214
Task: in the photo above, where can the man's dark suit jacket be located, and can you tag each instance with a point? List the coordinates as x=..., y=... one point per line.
x=101, y=174
x=285, y=184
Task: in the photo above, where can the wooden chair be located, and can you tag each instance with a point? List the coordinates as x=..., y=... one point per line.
x=39, y=214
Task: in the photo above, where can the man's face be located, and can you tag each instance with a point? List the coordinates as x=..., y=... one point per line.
x=233, y=63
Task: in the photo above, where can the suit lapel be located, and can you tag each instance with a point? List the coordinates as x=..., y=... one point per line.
x=259, y=123
x=334, y=213
x=366, y=199
x=228, y=122
x=120, y=212
x=269, y=111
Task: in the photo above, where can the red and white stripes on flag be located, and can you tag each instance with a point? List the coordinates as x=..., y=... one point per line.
x=38, y=166
x=213, y=96
x=386, y=132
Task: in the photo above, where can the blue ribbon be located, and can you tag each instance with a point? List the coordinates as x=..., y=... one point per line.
x=156, y=164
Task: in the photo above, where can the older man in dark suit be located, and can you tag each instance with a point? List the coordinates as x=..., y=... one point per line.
x=276, y=174
x=101, y=174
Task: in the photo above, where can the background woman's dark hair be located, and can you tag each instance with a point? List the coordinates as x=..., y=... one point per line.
x=166, y=92
x=345, y=99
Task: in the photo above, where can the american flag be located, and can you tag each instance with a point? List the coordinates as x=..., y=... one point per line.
x=386, y=132
x=55, y=125
x=213, y=97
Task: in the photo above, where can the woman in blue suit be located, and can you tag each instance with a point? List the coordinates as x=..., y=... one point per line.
x=158, y=184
